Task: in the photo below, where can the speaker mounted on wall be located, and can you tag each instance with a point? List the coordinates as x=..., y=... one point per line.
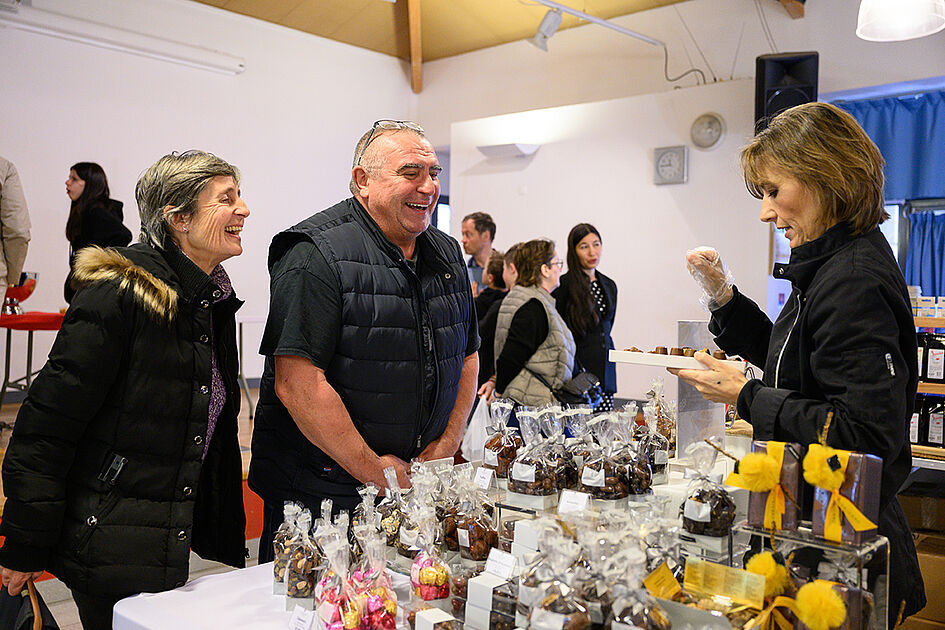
x=782, y=81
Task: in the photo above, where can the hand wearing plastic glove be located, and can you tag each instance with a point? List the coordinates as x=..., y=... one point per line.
x=706, y=267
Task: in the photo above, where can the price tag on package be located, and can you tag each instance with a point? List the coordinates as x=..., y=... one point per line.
x=572, y=501
x=301, y=619
x=500, y=564
x=484, y=477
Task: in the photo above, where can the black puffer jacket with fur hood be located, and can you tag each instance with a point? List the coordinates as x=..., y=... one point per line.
x=128, y=382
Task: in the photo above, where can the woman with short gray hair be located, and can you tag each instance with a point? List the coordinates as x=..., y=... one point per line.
x=124, y=456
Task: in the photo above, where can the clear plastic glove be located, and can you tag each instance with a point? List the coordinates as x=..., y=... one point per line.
x=706, y=267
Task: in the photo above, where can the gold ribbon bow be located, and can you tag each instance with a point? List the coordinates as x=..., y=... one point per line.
x=840, y=504
x=770, y=617
x=775, y=504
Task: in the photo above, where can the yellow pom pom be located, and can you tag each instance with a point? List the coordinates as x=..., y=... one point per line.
x=776, y=575
x=819, y=607
x=817, y=470
x=759, y=471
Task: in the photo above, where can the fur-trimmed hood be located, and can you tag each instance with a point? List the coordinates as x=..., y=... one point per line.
x=97, y=264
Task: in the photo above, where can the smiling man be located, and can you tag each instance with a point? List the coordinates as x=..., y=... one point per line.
x=371, y=338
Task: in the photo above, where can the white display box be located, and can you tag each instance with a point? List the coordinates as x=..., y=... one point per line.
x=522, y=553
x=477, y=618
x=479, y=590
x=428, y=618
x=526, y=533
x=531, y=502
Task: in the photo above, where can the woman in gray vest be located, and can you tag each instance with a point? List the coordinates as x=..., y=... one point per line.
x=531, y=339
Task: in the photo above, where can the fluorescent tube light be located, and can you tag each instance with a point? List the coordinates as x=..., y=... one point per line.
x=112, y=38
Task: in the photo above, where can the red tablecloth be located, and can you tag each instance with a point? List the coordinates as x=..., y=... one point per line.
x=32, y=320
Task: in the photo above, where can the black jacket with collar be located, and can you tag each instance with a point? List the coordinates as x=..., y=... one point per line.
x=845, y=343
x=128, y=376
x=594, y=346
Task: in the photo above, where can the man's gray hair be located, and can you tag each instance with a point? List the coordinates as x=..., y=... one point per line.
x=173, y=183
x=369, y=159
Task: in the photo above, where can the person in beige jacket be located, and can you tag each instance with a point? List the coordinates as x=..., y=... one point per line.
x=14, y=226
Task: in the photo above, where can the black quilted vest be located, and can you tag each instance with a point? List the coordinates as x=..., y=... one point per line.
x=378, y=365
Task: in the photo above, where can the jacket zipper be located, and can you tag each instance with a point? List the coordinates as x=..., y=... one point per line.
x=777, y=369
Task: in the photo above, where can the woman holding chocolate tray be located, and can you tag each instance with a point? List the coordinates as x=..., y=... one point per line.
x=845, y=342
x=587, y=300
x=124, y=456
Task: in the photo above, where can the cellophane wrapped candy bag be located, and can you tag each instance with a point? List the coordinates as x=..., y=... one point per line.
x=559, y=609
x=709, y=510
x=503, y=441
x=429, y=575
x=281, y=545
x=304, y=559
x=534, y=470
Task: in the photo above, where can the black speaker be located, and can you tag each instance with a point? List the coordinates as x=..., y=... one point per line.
x=781, y=82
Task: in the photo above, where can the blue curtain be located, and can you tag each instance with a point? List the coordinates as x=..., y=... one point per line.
x=925, y=260
x=910, y=133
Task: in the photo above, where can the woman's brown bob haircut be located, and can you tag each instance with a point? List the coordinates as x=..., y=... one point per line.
x=825, y=149
x=529, y=258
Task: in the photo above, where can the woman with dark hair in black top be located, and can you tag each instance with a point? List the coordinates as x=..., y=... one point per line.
x=587, y=301
x=94, y=219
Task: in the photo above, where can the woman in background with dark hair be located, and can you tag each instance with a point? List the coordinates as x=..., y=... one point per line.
x=587, y=301
x=94, y=219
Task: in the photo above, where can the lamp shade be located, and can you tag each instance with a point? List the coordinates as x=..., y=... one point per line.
x=896, y=20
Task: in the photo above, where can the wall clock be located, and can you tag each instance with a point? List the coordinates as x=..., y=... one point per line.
x=707, y=130
x=671, y=165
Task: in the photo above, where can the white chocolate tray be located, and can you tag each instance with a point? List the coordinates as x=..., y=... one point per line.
x=664, y=360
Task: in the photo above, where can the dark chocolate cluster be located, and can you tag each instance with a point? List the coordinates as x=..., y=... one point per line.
x=721, y=515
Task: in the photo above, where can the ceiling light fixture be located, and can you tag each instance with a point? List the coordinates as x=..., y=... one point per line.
x=897, y=20
x=549, y=25
x=557, y=6
x=104, y=36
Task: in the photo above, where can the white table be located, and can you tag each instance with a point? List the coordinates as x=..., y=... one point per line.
x=234, y=600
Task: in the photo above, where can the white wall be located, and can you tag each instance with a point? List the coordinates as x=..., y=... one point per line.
x=595, y=164
x=591, y=63
x=289, y=122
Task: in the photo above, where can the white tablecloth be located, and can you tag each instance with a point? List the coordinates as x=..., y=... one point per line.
x=234, y=600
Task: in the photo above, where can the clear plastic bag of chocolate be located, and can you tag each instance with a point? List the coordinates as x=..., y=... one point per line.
x=536, y=571
x=429, y=575
x=602, y=476
x=335, y=602
x=373, y=588
x=282, y=545
x=503, y=441
x=665, y=414
x=365, y=518
x=391, y=509
x=633, y=608
x=304, y=559
x=592, y=584
x=422, y=494
x=653, y=445
x=475, y=529
x=581, y=443
x=551, y=422
x=533, y=472
x=708, y=510
x=559, y=608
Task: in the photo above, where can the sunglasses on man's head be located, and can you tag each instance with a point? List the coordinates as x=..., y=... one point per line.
x=386, y=125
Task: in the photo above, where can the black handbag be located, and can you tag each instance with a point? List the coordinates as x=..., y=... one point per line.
x=26, y=611
x=582, y=389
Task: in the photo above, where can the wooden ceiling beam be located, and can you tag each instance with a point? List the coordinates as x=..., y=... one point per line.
x=416, y=46
x=795, y=8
